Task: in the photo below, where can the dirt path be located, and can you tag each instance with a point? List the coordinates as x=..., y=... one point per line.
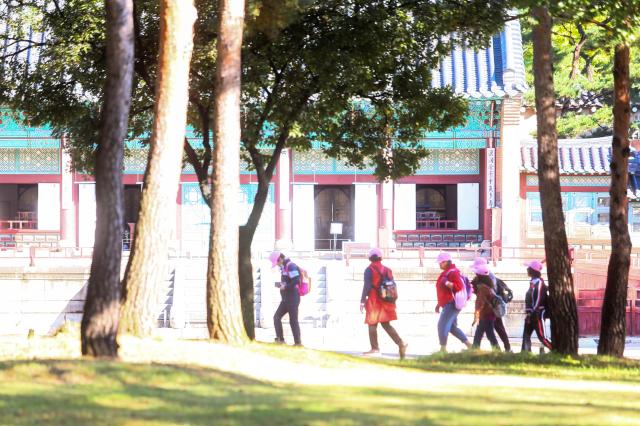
x=268, y=368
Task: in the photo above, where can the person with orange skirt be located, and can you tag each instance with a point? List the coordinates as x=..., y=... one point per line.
x=377, y=310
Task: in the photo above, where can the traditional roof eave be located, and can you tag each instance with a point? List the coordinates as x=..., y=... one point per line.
x=576, y=156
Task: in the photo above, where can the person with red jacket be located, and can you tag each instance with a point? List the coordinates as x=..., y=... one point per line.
x=448, y=283
x=378, y=310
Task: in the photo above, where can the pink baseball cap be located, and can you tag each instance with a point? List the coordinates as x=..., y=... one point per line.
x=443, y=257
x=375, y=252
x=482, y=269
x=535, y=265
x=479, y=261
x=273, y=257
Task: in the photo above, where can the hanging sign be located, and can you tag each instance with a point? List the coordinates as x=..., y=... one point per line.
x=490, y=174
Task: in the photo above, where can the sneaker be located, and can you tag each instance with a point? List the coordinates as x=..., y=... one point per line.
x=402, y=349
x=372, y=352
x=298, y=345
x=279, y=341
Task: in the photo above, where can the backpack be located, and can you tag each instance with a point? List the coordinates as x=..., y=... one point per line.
x=304, y=286
x=499, y=306
x=503, y=291
x=387, y=288
x=461, y=297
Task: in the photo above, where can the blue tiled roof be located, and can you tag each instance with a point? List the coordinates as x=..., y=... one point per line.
x=576, y=156
x=495, y=71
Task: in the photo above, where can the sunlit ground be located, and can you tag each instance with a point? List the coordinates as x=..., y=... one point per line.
x=169, y=382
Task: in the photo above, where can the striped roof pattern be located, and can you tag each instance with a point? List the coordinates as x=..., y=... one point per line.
x=576, y=156
x=495, y=71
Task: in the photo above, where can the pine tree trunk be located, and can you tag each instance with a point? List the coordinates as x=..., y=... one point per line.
x=100, y=319
x=147, y=266
x=613, y=324
x=245, y=272
x=562, y=303
x=224, y=313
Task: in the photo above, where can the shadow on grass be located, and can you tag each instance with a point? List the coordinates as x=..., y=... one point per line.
x=81, y=392
x=586, y=367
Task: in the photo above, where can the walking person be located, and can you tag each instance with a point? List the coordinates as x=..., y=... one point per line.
x=377, y=310
x=484, y=315
x=448, y=283
x=503, y=291
x=290, y=277
x=535, y=304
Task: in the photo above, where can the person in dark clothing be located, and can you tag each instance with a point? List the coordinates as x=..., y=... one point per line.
x=290, y=277
x=378, y=310
x=535, y=304
x=502, y=290
x=484, y=314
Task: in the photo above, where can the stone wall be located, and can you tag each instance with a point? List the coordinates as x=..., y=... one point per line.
x=43, y=298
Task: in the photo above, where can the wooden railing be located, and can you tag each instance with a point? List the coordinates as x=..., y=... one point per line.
x=18, y=224
x=436, y=224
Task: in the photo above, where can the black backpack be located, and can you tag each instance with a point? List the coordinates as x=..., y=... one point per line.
x=387, y=288
x=503, y=291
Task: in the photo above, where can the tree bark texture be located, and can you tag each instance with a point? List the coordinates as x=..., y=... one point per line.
x=148, y=265
x=99, y=325
x=613, y=324
x=224, y=313
x=562, y=303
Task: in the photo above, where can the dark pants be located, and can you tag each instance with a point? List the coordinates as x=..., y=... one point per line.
x=485, y=325
x=499, y=327
x=289, y=305
x=534, y=322
x=373, y=334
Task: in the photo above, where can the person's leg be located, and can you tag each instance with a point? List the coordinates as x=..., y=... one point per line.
x=502, y=332
x=402, y=346
x=444, y=324
x=489, y=326
x=293, y=320
x=373, y=338
x=277, y=321
x=526, y=334
x=538, y=321
x=459, y=334
x=392, y=333
x=477, y=337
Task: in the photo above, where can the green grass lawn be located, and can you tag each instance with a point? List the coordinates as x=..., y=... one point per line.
x=84, y=392
x=586, y=367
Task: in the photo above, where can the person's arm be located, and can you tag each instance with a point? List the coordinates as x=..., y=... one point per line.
x=544, y=294
x=454, y=282
x=368, y=285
